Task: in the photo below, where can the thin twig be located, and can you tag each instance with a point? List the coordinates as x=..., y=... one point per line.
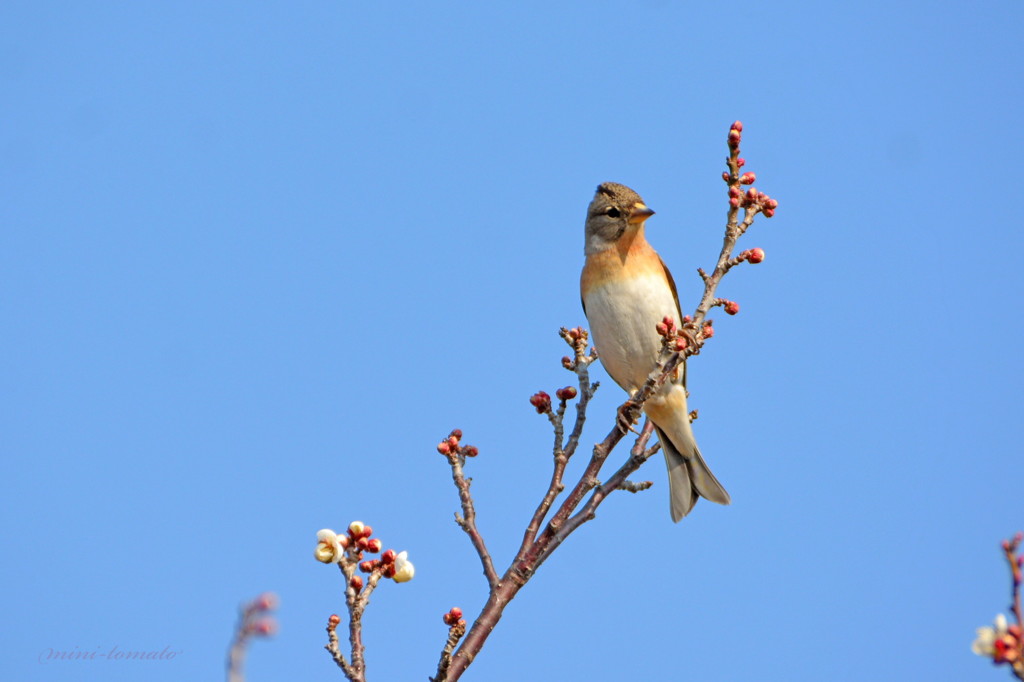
x=468, y=519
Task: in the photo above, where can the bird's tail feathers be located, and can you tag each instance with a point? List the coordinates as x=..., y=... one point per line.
x=688, y=478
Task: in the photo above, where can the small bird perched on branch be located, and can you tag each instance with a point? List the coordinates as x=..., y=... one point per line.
x=626, y=291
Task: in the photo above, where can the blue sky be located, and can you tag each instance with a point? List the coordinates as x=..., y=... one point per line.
x=257, y=260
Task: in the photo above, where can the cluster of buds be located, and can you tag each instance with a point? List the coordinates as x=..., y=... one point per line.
x=451, y=446
x=349, y=547
x=751, y=199
x=576, y=338
x=708, y=331
x=752, y=256
x=454, y=617
x=256, y=618
x=390, y=565
x=1004, y=642
x=668, y=330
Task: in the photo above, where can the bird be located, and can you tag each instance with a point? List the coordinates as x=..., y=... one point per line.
x=626, y=291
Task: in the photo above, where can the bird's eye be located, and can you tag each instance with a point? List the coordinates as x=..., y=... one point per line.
x=613, y=212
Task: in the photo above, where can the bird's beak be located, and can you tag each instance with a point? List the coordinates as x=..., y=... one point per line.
x=640, y=213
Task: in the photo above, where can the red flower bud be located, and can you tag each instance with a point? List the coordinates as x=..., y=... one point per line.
x=471, y=451
x=574, y=333
x=389, y=571
x=447, y=618
x=734, y=138
x=735, y=192
x=747, y=179
x=456, y=434
x=362, y=543
x=367, y=531
x=661, y=329
x=566, y=362
x=343, y=541
x=1006, y=545
x=771, y=203
x=687, y=319
x=453, y=443
x=388, y=556
x=755, y=256
x=741, y=162
x=567, y=393
x=541, y=401
x=734, y=202
x=334, y=620
x=367, y=566
x=732, y=307
x=737, y=126
x=726, y=177
x=708, y=331
x=768, y=212
x=356, y=582
x=373, y=545
x=456, y=613
x=443, y=448
x=681, y=343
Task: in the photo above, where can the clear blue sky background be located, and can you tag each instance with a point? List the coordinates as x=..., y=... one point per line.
x=255, y=261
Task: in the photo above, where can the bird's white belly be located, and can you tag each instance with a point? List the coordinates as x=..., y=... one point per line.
x=622, y=316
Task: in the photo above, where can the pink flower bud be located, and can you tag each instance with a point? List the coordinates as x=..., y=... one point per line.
x=456, y=613
x=334, y=620
x=264, y=627
x=388, y=557
x=361, y=543
x=768, y=212
x=681, y=343
x=755, y=256
x=732, y=307
x=726, y=176
x=471, y=451
x=741, y=162
x=447, y=618
x=574, y=333
x=367, y=566
x=708, y=331
x=367, y=531
x=443, y=448
x=668, y=322
x=771, y=203
x=356, y=582
x=265, y=602
x=453, y=443
x=1006, y=545
x=747, y=179
x=687, y=319
x=737, y=126
x=735, y=192
x=734, y=202
x=373, y=545
x=456, y=434
x=661, y=329
x=567, y=393
x=734, y=138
